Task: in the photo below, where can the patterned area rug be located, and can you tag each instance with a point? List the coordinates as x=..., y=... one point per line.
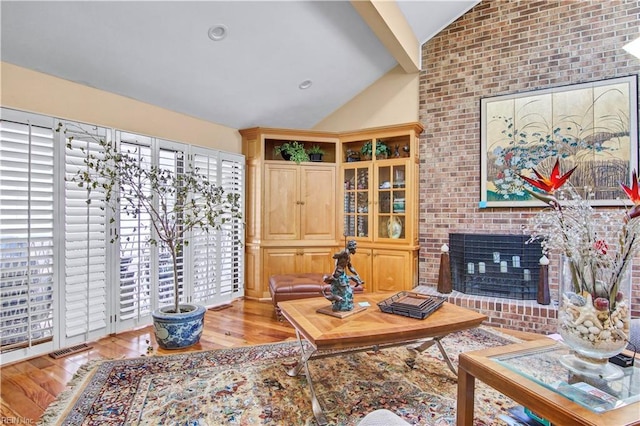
x=249, y=386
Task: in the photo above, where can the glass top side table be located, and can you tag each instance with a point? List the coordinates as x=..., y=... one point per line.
x=598, y=395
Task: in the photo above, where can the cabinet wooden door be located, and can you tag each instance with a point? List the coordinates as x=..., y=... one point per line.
x=317, y=203
x=297, y=260
x=357, y=201
x=279, y=261
x=392, y=270
x=391, y=204
x=316, y=259
x=299, y=202
x=281, y=202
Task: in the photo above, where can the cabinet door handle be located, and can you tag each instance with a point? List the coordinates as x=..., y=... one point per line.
x=301, y=202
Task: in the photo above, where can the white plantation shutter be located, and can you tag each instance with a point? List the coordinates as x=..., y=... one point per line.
x=232, y=238
x=86, y=242
x=218, y=256
x=204, y=245
x=137, y=256
x=26, y=232
x=174, y=161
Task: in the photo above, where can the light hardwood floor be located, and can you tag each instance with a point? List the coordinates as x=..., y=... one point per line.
x=28, y=387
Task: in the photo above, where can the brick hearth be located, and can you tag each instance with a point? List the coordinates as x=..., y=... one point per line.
x=522, y=315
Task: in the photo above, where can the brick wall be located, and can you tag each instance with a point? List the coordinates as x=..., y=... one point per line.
x=502, y=47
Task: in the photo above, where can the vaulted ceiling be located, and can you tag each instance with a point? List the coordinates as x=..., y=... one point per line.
x=235, y=63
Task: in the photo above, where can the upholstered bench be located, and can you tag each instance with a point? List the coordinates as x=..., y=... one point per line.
x=296, y=286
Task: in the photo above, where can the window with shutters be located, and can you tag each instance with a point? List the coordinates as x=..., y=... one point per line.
x=135, y=300
x=204, y=245
x=56, y=254
x=27, y=183
x=232, y=180
x=218, y=273
x=172, y=159
x=85, y=242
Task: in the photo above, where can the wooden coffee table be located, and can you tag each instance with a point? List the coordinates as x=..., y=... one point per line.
x=330, y=336
x=528, y=373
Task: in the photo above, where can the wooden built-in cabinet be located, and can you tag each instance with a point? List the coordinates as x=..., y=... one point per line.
x=299, y=214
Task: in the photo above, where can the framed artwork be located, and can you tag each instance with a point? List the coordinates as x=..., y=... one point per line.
x=591, y=125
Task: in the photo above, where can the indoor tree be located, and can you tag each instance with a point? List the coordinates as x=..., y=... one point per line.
x=176, y=203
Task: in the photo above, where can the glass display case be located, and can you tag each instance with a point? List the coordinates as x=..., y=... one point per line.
x=356, y=201
x=375, y=208
x=391, y=201
x=376, y=194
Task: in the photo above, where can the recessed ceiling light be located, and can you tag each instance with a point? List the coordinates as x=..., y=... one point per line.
x=305, y=84
x=218, y=32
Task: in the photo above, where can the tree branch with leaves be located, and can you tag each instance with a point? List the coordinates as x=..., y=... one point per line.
x=175, y=202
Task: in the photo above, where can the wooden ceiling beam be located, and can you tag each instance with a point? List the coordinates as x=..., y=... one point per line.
x=388, y=23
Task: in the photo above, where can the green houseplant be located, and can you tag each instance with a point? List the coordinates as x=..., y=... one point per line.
x=293, y=151
x=176, y=204
x=315, y=153
x=382, y=150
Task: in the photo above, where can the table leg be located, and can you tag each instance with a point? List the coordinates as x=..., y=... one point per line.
x=305, y=354
x=466, y=396
x=436, y=340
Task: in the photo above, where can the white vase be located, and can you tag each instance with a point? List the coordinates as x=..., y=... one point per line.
x=593, y=334
x=394, y=227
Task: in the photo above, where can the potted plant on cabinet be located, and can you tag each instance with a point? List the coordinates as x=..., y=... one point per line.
x=315, y=153
x=293, y=151
x=367, y=150
x=175, y=203
x=382, y=150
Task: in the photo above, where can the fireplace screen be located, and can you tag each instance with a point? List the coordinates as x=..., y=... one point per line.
x=495, y=265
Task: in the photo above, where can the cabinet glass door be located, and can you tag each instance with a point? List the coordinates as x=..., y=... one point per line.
x=391, y=201
x=356, y=202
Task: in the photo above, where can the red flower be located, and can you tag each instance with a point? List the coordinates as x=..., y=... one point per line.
x=634, y=195
x=632, y=192
x=551, y=183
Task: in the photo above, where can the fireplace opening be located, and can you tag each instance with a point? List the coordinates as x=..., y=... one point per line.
x=503, y=266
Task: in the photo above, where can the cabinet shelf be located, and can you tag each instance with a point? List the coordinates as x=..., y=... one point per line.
x=270, y=144
x=398, y=147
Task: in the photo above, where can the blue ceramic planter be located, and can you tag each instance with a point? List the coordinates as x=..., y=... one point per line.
x=174, y=331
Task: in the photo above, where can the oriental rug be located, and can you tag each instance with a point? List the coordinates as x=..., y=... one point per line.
x=249, y=386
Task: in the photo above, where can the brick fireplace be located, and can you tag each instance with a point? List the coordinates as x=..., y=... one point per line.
x=488, y=275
